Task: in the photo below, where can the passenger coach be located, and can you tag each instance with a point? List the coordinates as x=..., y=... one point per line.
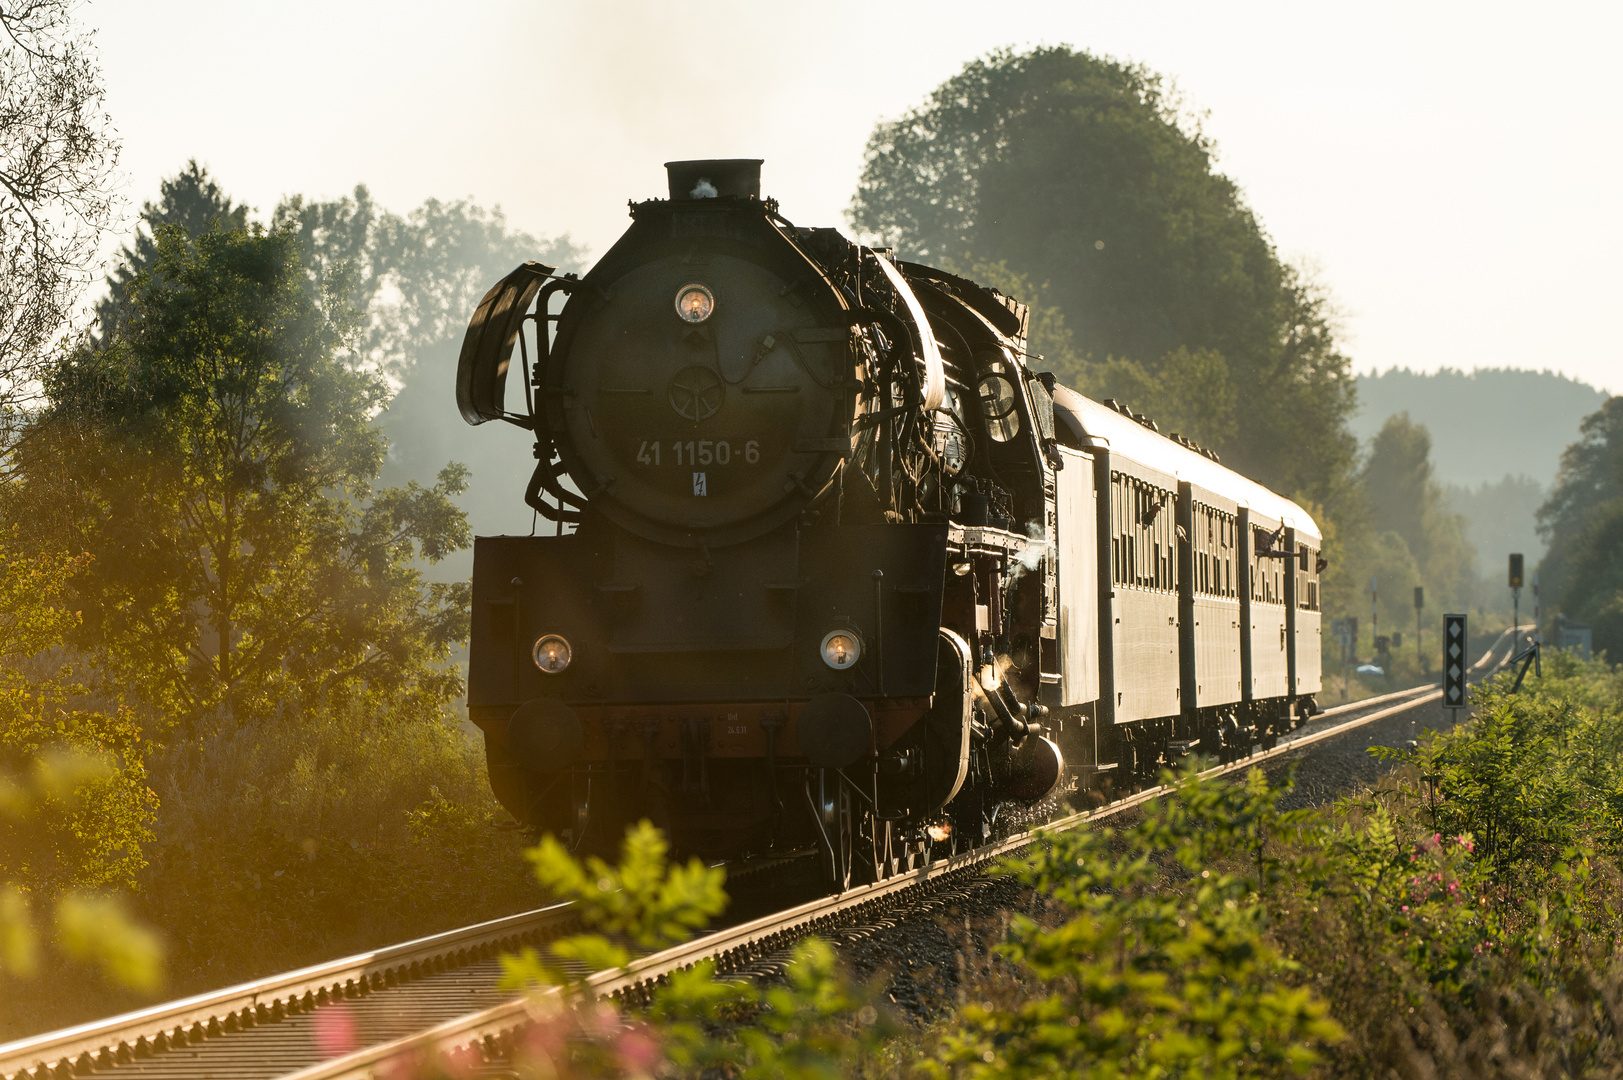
x=1208, y=612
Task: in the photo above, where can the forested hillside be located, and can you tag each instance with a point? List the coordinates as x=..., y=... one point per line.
x=1497, y=436
x=1485, y=424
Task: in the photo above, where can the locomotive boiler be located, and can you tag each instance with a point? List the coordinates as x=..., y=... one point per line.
x=829, y=566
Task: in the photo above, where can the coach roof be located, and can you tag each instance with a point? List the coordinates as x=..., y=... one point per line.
x=1132, y=440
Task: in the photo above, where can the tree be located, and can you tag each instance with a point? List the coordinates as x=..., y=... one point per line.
x=418, y=277
x=1418, y=541
x=1398, y=477
x=1583, y=524
x=1086, y=176
x=191, y=200
x=216, y=456
x=57, y=153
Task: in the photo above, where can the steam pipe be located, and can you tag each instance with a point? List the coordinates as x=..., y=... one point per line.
x=533, y=499
x=549, y=480
x=1016, y=728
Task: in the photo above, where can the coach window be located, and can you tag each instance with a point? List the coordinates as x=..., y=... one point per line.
x=1170, y=525
x=1230, y=541
x=1118, y=552
x=1157, y=548
x=1163, y=522
x=1140, y=538
x=1307, y=580
x=1118, y=547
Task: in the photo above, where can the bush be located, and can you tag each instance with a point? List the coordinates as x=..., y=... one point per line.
x=360, y=822
x=75, y=807
x=1462, y=917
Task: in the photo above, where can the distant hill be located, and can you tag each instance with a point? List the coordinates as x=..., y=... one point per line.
x=1485, y=425
x=1496, y=441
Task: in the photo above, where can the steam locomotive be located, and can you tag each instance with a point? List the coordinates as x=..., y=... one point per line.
x=832, y=568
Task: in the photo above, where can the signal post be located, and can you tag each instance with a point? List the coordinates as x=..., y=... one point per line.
x=1454, y=642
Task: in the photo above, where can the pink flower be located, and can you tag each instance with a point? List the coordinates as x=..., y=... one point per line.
x=638, y=1049
x=334, y=1030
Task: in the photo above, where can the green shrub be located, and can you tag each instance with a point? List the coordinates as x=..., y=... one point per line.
x=1462, y=917
x=75, y=807
x=1145, y=971
x=358, y=823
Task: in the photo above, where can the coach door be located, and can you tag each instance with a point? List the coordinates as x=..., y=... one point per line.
x=1077, y=511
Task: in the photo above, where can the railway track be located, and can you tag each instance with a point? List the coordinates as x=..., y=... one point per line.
x=437, y=995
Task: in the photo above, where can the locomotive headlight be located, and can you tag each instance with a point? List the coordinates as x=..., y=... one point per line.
x=841, y=649
x=552, y=654
x=695, y=303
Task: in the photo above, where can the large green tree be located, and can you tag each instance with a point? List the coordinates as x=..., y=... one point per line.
x=1417, y=539
x=1083, y=175
x=216, y=456
x=1582, y=573
x=191, y=200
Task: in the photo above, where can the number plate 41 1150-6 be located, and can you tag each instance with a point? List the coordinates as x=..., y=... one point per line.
x=698, y=452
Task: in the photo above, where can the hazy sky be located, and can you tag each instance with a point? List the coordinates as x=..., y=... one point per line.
x=1453, y=171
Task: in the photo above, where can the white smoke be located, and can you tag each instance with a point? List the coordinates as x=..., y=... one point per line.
x=704, y=189
x=1032, y=553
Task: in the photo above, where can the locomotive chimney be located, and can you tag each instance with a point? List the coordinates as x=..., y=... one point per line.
x=714, y=178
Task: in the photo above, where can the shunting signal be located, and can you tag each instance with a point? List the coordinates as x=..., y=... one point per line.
x=1454, y=661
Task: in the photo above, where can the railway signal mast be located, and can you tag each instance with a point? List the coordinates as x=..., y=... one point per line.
x=1346, y=632
x=1515, y=590
x=1374, y=608
x=1536, y=635
x=1419, y=602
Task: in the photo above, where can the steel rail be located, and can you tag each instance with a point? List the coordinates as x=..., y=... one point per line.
x=1365, y=703
x=490, y=1033
x=121, y=1039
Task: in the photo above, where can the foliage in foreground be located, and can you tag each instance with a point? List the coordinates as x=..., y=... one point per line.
x=90, y=928
x=1460, y=919
x=1135, y=978
x=1138, y=982
x=817, y=1023
x=74, y=802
